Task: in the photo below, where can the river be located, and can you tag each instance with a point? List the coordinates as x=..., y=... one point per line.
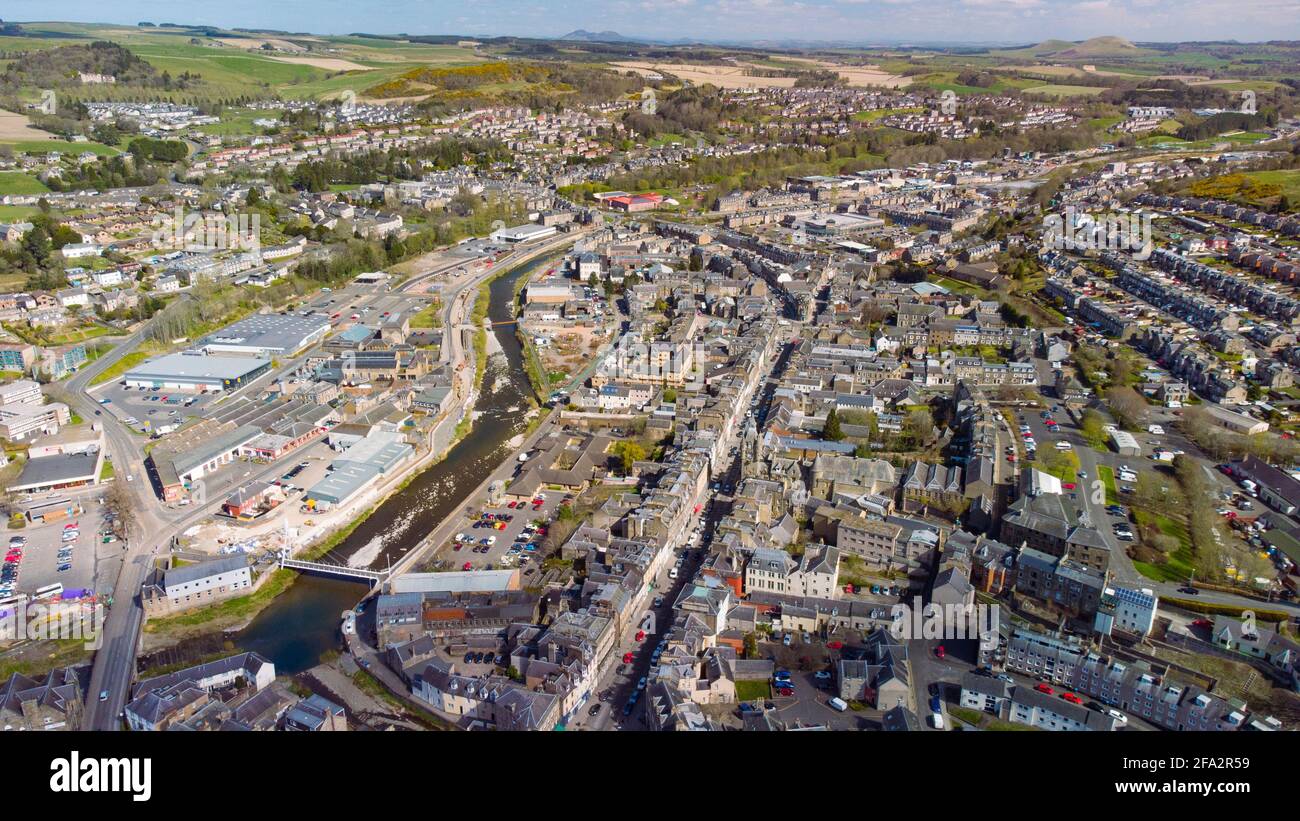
x=303, y=622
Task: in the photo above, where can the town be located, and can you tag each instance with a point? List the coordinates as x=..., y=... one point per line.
x=712, y=395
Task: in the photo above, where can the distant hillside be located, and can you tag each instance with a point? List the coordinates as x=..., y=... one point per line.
x=597, y=37
x=60, y=67
x=1088, y=49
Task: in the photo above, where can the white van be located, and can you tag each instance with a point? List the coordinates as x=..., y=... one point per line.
x=937, y=720
x=672, y=574
x=839, y=704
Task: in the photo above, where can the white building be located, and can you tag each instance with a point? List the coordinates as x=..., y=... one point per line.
x=1133, y=611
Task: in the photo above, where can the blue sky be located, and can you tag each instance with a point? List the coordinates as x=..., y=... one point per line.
x=734, y=20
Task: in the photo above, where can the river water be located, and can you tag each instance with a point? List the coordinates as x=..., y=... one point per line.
x=303, y=622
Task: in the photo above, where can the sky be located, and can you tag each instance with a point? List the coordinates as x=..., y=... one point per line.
x=860, y=21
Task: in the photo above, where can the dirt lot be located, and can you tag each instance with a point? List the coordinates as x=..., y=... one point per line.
x=16, y=127
x=327, y=63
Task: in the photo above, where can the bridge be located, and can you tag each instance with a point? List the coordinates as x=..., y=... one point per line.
x=361, y=573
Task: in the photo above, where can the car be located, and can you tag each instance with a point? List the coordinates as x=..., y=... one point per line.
x=940, y=652
x=785, y=691
x=594, y=709
x=1072, y=698
x=64, y=567
x=103, y=695
x=1119, y=717
x=1069, y=485
x=1004, y=677
x=628, y=657
x=467, y=566
x=640, y=636
x=834, y=645
x=1044, y=689
x=641, y=682
x=822, y=675
x=1189, y=590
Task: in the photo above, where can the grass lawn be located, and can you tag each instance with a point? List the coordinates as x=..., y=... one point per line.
x=430, y=317
x=16, y=182
x=1178, y=568
x=1107, y=476
x=120, y=367
x=752, y=690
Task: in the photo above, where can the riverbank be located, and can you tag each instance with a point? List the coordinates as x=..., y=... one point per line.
x=239, y=614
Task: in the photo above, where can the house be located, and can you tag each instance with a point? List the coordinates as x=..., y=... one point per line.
x=1046, y=712
x=881, y=678
x=52, y=701
x=985, y=693
x=158, y=703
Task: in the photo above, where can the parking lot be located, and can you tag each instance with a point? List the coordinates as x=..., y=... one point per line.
x=41, y=555
x=146, y=410
x=495, y=538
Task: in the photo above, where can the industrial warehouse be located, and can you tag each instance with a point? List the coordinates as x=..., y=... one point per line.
x=193, y=371
x=267, y=335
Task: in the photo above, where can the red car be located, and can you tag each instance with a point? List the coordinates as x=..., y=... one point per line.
x=457, y=546
x=834, y=645
x=640, y=635
x=1202, y=623
x=939, y=652
x=1043, y=688
x=627, y=658
x=784, y=691
x=1068, y=485
x=1072, y=698
x=467, y=566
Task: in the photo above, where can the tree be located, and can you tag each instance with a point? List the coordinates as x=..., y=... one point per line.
x=628, y=453
x=1128, y=407
x=121, y=502
x=831, y=432
x=1091, y=426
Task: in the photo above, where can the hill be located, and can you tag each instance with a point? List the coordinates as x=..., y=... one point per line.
x=597, y=37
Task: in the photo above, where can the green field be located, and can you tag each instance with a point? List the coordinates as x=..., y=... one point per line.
x=1057, y=90
x=62, y=146
x=16, y=182
x=1288, y=180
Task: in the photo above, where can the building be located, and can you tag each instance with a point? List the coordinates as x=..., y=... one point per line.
x=160, y=702
x=1124, y=443
x=268, y=335
x=192, y=371
x=19, y=422
x=1133, y=611
x=191, y=585
x=1035, y=709
x=523, y=234
x=985, y=693
x=44, y=703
